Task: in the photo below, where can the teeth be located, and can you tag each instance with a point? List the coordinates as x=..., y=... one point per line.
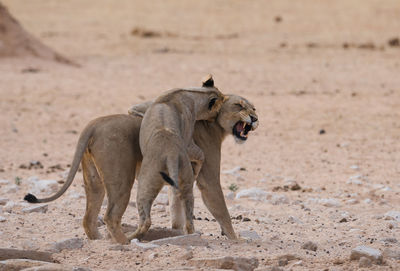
x=244, y=125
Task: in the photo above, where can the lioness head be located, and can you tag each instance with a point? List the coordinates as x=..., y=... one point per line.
x=238, y=116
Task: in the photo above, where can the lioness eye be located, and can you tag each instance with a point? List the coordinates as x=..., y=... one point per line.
x=211, y=103
x=240, y=106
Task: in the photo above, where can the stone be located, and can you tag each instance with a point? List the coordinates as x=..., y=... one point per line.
x=292, y=185
x=4, y=182
x=9, y=207
x=235, y=263
x=273, y=268
x=352, y=201
x=12, y=253
x=364, y=262
x=277, y=199
x=3, y=201
x=144, y=246
x=392, y=215
x=253, y=193
x=293, y=219
x=119, y=248
x=193, y=239
x=69, y=244
x=230, y=195
x=234, y=172
x=19, y=264
x=310, y=246
x=389, y=240
x=250, y=235
x=36, y=209
x=2, y=219
x=56, y=267
x=363, y=251
x=391, y=253
x=152, y=256
x=40, y=186
x=12, y=188
x=187, y=255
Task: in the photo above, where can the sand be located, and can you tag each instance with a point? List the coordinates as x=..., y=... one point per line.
x=322, y=75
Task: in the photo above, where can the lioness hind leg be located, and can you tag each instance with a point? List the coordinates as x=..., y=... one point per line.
x=176, y=209
x=148, y=188
x=94, y=196
x=186, y=195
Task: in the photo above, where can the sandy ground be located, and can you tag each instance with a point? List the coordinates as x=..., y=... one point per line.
x=306, y=65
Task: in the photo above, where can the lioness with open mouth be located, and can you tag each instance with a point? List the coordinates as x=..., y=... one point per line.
x=109, y=150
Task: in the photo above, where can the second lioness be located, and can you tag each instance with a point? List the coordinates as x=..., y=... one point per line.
x=169, y=152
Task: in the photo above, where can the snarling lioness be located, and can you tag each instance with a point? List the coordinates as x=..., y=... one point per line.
x=169, y=152
x=109, y=150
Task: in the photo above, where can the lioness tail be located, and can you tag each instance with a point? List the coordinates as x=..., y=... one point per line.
x=169, y=180
x=80, y=149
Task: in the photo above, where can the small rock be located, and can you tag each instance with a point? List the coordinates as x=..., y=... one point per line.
x=283, y=262
x=273, y=268
x=9, y=207
x=276, y=199
x=230, y=195
x=119, y=248
x=250, y=235
x=4, y=182
x=193, y=239
x=252, y=193
x=343, y=220
x=364, y=262
x=235, y=263
x=3, y=201
x=12, y=188
x=144, y=246
x=36, y=209
x=352, y=201
x=293, y=219
x=368, y=252
x=355, y=167
x=19, y=264
x=367, y=201
x=391, y=253
x=40, y=186
x=188, y=255
x=393, y=215
x=310, y=246
x=329, y=202
x=73, y=243
x=2, y=219
x=152, y=256
x=293, y=185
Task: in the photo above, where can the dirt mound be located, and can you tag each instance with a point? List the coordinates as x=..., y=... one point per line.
x=17, y=42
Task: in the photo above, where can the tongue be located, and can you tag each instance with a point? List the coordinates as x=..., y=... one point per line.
x=239, y=127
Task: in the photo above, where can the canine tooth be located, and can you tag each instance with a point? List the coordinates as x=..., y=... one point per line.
x=244, y=125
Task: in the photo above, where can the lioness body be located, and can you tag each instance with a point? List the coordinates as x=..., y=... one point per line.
x=110, y=145
x=166, y=142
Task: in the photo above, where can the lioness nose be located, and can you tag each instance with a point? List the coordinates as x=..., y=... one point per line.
x=253, y=119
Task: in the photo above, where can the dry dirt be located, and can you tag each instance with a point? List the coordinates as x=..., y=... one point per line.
x=322, y=75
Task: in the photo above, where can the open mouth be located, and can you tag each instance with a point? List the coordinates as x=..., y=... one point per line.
x=241, y=130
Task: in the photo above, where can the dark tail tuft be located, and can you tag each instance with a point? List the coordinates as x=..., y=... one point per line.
x=168, y=180
x=31, y=198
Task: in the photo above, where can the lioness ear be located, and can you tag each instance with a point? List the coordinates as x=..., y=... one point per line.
x=211, y=103
x=208, y=81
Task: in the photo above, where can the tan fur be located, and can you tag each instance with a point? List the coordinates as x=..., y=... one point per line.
x=117, y=136
x=166, y=142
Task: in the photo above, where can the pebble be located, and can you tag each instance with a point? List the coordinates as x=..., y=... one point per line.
x=72, y=243
x=3, y=201
x=230, y=195
x=36, y=209
x=367, y=201
x=74, y=195
x=391, y=253
x=250, y=235
x=252, y=193
x=234, y=171
x=152, y=256
x=9, y=207
x=389, y=240
x=355, y=167
x=276, y=199
x=329, y=202
x=235, y=263
x=193, y=239
x=144, y=246
x=363, y=251
x=39, y=186
x=12, y=188
x=392, y=215
x=2, y=219
x=364, y=262
x=352, y=201
x=4, y=182
x=310, y=246
x=293, y=219
x=119, y=248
